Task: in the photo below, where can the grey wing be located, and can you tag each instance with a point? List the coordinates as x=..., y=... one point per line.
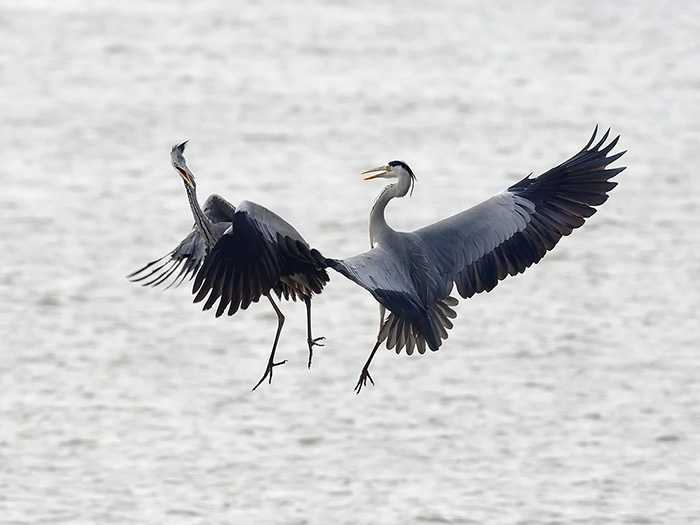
x=509, y=232
x=185, y=259
x=259, y=253
x=217, y=209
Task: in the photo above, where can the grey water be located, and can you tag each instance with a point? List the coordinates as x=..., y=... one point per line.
x=569, y=394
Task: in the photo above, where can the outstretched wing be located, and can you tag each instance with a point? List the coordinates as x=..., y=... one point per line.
x=514, y=229
x=260, y=252
x=186, y=258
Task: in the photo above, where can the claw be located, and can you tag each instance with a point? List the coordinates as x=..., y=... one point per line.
x=312, y=343
x=364, y=376
x=268, y=372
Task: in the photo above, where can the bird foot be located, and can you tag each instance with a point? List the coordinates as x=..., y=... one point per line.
x=312, y=343
x=364, y=376
x=268, y=371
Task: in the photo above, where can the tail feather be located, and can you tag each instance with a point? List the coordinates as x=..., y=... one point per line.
x=428, y=330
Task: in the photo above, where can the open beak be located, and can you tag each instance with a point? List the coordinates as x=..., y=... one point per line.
x=378, y=172
x=186, y=176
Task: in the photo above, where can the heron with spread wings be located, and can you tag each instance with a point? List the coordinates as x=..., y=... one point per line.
x=237, y=256
x=412, y=274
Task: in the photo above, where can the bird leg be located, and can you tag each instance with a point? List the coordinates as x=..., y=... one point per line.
x=271, y=362
x=311, y=341
x=364, y=376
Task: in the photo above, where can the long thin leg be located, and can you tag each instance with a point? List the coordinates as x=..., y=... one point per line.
x=271, y=362
x=382, y=312
x=364, y=376
x=309, y=339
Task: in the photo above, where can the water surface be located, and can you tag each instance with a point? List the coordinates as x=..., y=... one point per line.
x=567, y=395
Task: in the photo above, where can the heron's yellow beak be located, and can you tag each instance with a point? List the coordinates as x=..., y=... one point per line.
x=381, y=170
x=185, y=176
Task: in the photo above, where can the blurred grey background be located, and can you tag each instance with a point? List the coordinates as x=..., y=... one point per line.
x=567, y=395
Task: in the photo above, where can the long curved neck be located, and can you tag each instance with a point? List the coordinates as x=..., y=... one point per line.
x=377, y=223
x=202, y=223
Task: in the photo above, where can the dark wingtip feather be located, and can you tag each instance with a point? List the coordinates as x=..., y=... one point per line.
x=590, y=141
x=602, y=140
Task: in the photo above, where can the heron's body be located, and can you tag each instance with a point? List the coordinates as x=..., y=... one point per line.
x=412, y=274
x=237, y=256
x=258, y=253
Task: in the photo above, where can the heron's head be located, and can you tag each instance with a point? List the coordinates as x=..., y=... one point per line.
x=396, y=169
x=180, y=164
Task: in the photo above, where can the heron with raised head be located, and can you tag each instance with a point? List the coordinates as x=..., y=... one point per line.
x=412, y=274
x=239, y=255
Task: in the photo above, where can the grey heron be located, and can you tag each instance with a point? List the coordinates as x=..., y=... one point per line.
x=239, y=254
x=412, y=274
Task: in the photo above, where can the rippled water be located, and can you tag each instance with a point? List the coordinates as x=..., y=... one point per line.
x=567, y=395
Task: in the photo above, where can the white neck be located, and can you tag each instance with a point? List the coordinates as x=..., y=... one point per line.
x=378, y=226
x=201, y=221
